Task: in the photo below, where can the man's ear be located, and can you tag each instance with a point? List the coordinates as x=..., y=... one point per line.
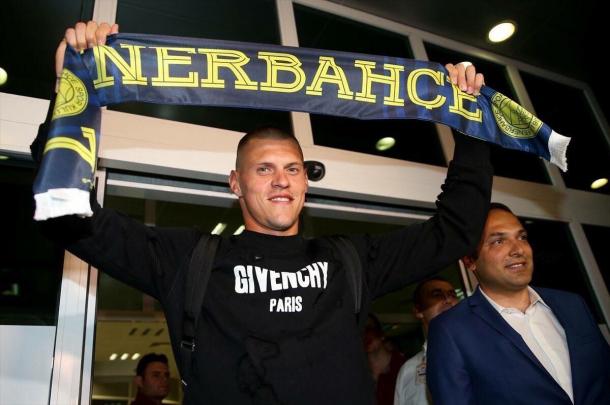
x=234, y=183
x=138, y=381
x=469, y=263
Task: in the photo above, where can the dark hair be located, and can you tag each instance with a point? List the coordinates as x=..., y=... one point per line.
x=265, y=133
x=418, y=292
x=492, y=206
x=147, y=359
x=499, y=206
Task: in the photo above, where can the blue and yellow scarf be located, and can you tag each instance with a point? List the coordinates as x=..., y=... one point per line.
x=172, y=70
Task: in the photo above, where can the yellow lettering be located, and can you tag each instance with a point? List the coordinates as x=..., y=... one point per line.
x=337, y=77
x=229, y=59
x=64, y=142
x=412, y=88
x=165, y=60
x=368, y=77
x=132, y=71
x=286, y=62
x=458, y=105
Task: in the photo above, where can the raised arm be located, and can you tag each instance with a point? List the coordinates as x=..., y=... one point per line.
x=143, y=257
x=401, y=257
x=398, y=258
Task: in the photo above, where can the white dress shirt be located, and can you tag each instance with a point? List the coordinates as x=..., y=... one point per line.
x=544, y=336
x=411, y=388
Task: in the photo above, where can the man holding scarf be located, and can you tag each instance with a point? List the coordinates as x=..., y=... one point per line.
x=277, y=324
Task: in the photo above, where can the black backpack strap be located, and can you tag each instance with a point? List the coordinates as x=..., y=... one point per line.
x=200, y=268
x=348, y=254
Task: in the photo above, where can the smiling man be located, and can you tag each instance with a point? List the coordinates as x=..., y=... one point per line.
x=510, y=343
x=277, y=323
x=270, y=181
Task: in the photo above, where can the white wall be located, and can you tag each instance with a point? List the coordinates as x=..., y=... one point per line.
x=26, y=361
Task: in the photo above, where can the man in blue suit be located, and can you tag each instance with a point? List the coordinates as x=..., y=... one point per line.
x=510, y=343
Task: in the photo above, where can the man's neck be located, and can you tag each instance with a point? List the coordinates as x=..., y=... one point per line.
x=519, y=299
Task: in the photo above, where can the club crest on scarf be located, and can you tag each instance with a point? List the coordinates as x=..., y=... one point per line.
x=512, y=119
x=72, y=97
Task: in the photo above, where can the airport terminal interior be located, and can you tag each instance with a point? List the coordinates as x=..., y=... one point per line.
x=72, y=334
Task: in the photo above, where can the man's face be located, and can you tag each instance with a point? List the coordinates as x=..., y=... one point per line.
x=437, y=296
x=505, y=261
x=155, y=381
x=271, y=183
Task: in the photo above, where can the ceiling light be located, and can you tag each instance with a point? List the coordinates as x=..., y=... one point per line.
x=219, y=228
x=599, y=183
x=124, y=356
x=502, y=31
x=113, y=356
x=3, y=76
x=239, y=230
x=385, y=143
x=135, y=356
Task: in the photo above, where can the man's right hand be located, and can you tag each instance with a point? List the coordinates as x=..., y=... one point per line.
x=81, y=37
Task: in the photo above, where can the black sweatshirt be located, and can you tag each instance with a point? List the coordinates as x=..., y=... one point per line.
x=277, y=324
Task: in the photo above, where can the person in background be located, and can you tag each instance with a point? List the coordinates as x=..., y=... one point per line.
x=431, y=298
x=384, y=360
x=152, y=379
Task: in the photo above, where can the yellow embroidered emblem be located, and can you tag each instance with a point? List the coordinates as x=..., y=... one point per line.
x=72, y=96
x=514, y=120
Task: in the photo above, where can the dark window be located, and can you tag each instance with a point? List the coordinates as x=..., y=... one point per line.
x=556, y=261
x=241, y=20
x=37, y=27
x=30, y=265
x=506, y=162
x=598, y=237
x=567, y=111
x=415, y=140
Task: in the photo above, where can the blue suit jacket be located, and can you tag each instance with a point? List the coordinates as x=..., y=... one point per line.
x=476, y=357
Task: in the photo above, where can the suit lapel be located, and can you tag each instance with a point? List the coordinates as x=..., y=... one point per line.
x=571, y=332
x=483, y=309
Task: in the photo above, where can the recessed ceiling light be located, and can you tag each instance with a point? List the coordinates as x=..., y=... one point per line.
x=219, y=228
x=124, y=356
x=113, y=356
x=3, y=76
x=502, y=31
x=385, y=143
x=135, y=356
x=599, y=183
x=239, y=230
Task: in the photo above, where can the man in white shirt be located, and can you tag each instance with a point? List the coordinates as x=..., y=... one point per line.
x=431, y=297
x=510, y=343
